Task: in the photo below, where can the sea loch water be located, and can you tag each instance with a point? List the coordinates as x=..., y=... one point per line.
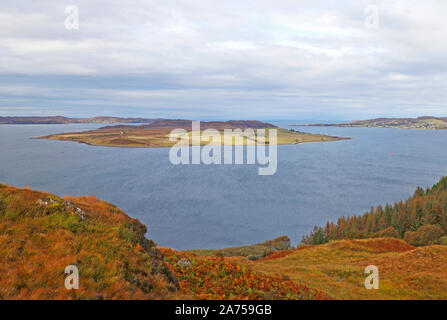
x=214, y=206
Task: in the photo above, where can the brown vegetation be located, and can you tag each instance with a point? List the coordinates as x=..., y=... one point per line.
x=38, y=239
x=338, y=269
x=40, y=234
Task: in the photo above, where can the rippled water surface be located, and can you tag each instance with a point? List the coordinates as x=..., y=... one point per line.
x=200, y=206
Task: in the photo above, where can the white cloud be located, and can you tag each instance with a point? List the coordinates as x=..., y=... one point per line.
x=400, y=77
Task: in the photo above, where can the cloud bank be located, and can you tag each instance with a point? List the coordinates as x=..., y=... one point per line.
x=261, y=59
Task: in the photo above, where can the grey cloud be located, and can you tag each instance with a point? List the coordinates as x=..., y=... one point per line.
x=248, y=59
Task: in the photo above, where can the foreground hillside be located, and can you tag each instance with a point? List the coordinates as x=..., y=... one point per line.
x=330, y=271
x=217, y=277
x=41, y=234
x=432, y=123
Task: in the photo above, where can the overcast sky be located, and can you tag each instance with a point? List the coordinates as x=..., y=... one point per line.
x=232, y=59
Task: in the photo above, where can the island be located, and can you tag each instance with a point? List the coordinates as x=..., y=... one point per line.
x=426, y=122
x=159, y=131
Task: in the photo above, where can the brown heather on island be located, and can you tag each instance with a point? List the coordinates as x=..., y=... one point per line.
x=157, y=133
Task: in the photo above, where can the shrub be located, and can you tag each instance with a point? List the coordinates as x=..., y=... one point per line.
x=319, y=237
x=425, y=235
x=280, y=243
x=389, y=232
x=74, y=224
x=132, y=232
x=443, y=240
x=2, y=206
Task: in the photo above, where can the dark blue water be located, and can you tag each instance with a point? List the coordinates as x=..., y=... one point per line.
x=200, y=206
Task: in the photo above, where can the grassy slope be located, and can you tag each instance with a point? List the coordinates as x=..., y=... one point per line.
x=337, y=268
x=211, y=277
x=37, y=242
x=115, y=260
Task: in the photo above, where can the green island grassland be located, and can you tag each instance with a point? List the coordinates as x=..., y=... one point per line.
x=157, y=134
x=41, y=233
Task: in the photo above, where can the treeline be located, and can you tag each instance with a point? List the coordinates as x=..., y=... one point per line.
x=420, y=220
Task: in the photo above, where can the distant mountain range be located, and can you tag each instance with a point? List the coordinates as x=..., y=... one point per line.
x=63, y=120
x=425, y=122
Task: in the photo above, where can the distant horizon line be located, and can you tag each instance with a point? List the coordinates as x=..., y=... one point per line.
x=220, y=118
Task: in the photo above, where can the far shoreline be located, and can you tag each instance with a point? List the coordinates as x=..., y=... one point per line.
x=419, y=123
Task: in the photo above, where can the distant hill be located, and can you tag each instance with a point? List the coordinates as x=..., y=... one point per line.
x=158, y=133
x=186, y=124
x=63, y=120
x=41, y=234
x=425, y=122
